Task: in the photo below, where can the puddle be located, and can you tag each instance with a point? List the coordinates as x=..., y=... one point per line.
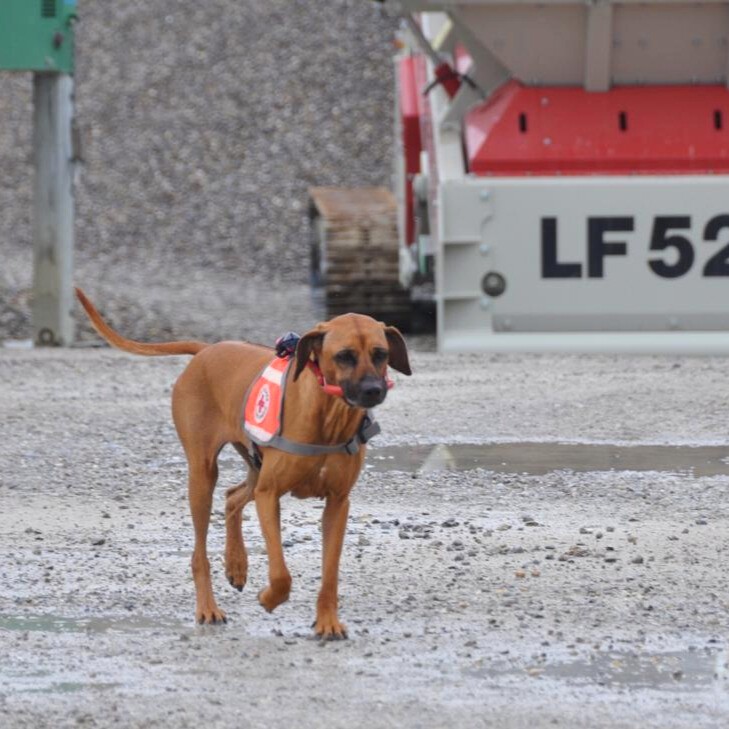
x=687, y=669
x=671, y=670
x=536, y=459
x=70, y=687
x=58, y=624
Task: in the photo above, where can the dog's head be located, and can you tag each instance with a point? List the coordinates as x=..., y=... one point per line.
x=353, y=351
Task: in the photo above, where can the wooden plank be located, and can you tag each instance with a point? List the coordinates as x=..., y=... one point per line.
x=338, y=203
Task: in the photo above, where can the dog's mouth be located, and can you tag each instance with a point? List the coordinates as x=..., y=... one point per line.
x=367, y=393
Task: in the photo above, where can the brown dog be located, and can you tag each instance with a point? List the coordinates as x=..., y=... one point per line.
x=352, y=351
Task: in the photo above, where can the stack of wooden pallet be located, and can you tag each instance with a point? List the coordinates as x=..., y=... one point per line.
x=355, y=252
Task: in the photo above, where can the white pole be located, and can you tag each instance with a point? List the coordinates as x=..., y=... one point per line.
x=52, y=210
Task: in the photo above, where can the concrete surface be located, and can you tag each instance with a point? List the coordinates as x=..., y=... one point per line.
x=482, y=597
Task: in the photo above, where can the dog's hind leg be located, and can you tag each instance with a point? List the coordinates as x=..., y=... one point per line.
x=236, y=559
x=202, y=478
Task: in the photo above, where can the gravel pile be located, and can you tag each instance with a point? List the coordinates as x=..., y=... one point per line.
x=204, y=124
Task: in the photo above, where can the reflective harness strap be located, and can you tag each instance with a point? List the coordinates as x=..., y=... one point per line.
x=368, y=429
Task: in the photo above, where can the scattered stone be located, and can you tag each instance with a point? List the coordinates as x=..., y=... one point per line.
x=576, y=551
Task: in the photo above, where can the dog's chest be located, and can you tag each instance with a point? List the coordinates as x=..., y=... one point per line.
x=332, y=475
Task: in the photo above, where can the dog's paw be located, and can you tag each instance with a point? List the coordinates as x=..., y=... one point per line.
x=236, y=570
x=270, y=599
x=329, y=628
x=276, y=593
x=210, y=615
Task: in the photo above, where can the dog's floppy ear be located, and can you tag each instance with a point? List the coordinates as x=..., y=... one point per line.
x=398, y=351
x=307, y=344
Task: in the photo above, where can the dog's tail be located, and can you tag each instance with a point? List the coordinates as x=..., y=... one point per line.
x=129, y=345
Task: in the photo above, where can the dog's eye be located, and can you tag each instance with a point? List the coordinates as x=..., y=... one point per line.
x=379, y=356
x=346, y=358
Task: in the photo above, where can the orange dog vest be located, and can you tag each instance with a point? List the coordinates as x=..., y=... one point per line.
x=263, y=416
x=264, y=403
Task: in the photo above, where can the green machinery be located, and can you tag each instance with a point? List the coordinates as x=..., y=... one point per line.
x=37, y=35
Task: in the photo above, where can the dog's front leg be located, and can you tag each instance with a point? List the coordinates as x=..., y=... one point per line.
x=279, y=578
x=334, y=524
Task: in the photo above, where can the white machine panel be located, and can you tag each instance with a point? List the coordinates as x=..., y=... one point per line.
x=583, y=254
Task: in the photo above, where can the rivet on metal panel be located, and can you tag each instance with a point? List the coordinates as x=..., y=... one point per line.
x=484, y=248
x=547, y=141
x=485, y=302
x=484, y=194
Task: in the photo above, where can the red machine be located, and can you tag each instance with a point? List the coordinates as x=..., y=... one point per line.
x=563, y=172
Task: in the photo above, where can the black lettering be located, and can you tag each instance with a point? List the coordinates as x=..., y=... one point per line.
x=551, y=267
x=598, y=248
x=718, y=264
x=660, y=240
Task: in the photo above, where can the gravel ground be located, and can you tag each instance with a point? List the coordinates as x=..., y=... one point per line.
x=204, y=125
x=473, y=598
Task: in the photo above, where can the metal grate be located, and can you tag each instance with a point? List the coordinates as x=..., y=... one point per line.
x=48, y=8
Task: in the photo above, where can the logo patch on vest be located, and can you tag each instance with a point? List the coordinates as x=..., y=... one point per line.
x=263, y=409
x=262, y=404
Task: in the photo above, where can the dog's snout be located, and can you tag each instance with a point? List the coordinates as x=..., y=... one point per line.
x=372, y=391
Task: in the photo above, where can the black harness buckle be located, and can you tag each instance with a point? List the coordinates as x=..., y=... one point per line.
x=369, y=429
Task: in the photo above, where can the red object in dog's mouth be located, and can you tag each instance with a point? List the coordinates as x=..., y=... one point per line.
x=335, y=390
